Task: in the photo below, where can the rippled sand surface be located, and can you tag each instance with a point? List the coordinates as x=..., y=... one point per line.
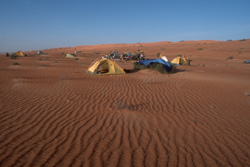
x=52, y=113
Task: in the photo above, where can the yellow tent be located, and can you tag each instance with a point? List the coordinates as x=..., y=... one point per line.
x=20, y=53
x=179, y=61
x=105, y=67
x=69, y=55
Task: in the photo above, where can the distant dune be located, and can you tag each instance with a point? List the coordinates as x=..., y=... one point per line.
x=54, y=114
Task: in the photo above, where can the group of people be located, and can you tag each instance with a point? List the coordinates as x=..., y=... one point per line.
x=125, y=56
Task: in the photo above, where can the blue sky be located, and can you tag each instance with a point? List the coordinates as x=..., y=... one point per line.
x=43, y=24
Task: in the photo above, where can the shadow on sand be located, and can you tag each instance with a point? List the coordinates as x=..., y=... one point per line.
x=127, y=71
x=131, y=70
x=179, y=70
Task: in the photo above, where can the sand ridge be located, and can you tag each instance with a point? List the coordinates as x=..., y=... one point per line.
x=52, y=113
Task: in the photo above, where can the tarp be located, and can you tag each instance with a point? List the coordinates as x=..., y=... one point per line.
x=105, y=67
x=166, y=65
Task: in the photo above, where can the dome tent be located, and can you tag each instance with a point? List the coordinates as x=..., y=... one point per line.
x=180, y=61
x=69, y=55
x=20, y=53
x=105, y=67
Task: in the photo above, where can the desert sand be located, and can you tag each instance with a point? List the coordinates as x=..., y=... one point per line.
x=54, y=114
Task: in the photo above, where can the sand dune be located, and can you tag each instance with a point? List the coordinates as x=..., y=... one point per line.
x=52, y=113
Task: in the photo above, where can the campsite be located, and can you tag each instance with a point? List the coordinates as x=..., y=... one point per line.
x=54, y=113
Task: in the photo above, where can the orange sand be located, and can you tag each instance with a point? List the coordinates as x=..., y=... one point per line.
x=54, y=114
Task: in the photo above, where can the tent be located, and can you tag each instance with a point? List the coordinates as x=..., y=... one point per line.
x=69, y=55
x=20, y=53
x=247, y=61
x=167, y=67
x=105, y=67
x=180, y=61
x=40, y=53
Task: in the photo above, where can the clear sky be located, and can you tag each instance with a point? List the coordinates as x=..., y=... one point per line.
x=43, y=24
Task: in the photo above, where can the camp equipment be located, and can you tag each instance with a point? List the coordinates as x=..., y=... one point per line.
x=114, y=55
x=126, y=56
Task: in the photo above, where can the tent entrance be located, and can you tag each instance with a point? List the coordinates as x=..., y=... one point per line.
x=102, y=68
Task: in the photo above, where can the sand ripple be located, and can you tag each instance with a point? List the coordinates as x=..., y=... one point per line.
x=148, y=120
x=53, y=114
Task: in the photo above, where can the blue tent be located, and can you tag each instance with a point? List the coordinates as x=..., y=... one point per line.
x=166, y=65
x=248, y=61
